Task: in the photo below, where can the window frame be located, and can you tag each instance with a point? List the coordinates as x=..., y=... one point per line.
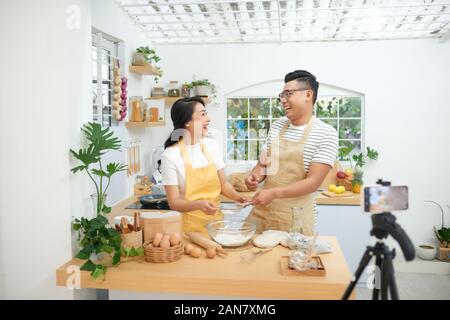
x=271, y=120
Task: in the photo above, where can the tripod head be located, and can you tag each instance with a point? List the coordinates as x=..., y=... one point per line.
x=384, y=224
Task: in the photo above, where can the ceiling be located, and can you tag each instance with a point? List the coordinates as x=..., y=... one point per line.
x=225, y=21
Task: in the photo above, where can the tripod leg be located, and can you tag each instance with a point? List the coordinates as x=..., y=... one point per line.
x=376, y=290
x=384, y=279
x=390, y=273
x=362, y=265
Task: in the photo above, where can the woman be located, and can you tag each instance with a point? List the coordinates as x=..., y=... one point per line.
x=192, y=167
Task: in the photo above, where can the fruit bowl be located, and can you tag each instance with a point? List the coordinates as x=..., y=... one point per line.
x=231, y=233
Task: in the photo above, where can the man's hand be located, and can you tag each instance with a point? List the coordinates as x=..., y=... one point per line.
x=251, y=181
x=207, y=207
x=263, y=197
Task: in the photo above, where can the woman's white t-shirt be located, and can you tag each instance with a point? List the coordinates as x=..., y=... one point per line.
x=172, y=164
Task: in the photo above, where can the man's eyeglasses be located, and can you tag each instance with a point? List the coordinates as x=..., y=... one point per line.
x=287, y=93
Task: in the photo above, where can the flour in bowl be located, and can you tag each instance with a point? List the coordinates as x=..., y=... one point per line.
x=231, y=240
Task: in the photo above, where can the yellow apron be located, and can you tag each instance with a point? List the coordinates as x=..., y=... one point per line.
x=278, y=214
x=201, y=184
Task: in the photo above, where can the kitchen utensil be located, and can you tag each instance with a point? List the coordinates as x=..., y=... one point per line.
x=137, y=221
x=139, y=157
x=131, y=227
x=317, y=268
x=200, y=239
x=249, y=257
x=124, y=225
x=151, y=198
x=230, y=208
x=129, y=171
x=231, y=233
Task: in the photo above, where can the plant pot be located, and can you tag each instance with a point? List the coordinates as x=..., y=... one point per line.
x=426, y=251
x=201, y=91
x=444, y=254
x=139, y=60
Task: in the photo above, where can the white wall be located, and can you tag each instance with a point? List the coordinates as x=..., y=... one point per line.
x=44, y=68
x=407, y=93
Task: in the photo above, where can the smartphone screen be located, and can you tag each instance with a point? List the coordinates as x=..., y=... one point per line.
x=379, y=199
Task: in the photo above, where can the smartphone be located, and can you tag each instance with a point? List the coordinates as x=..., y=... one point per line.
x=379, y=199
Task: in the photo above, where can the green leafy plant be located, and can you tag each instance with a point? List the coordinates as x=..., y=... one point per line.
x=442, y=234
x=97, y=237
x=203, y=82
x=360, y=160
x=132, y=252
x=149, y=54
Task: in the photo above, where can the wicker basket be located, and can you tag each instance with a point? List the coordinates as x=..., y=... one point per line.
x=132, y=239
x=160, y=255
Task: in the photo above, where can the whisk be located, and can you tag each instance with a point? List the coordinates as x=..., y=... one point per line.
x=249, y=257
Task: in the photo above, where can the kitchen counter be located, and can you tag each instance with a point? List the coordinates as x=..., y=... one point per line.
x=223, y=276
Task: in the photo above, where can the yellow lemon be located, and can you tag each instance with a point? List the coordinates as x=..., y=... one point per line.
x=340, y=189
x=332, y=187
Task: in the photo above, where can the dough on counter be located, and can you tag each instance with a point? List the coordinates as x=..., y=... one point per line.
x=271, y=238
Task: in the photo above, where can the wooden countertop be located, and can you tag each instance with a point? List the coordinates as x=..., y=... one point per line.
x=223, y=276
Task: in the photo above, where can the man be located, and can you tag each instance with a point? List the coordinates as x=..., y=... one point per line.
x=299, y=152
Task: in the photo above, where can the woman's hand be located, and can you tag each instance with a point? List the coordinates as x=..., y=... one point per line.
x=263, y=197
x=207, y=207
x=241, y=199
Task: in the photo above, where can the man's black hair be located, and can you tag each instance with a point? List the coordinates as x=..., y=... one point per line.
x=306, y=78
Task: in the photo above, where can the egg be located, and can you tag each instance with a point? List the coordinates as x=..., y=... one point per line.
x=174, y=239
x=188, y=248
x=211, y=252
x=157, y=239
x=165, y=244
x=196, y=252
x=166, y=237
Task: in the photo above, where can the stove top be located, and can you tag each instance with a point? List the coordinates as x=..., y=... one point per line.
x=157, y=205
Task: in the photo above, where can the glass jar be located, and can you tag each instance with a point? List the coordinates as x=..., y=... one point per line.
x=173, y=91
x=185, y=91
x=157, y=92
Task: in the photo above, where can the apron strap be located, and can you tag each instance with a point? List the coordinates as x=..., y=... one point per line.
x=305, y=135
x=185, y=155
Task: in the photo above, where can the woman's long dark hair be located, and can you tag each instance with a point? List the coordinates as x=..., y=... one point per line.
x=181, y=113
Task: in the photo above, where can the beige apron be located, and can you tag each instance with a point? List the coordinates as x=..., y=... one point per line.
x=278, y=214
x=201, y=184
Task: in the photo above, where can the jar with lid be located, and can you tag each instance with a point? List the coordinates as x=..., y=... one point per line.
x=174, y=90
x=157, y=92
x=185, y=91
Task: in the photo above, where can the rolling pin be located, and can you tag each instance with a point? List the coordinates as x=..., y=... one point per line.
x=200, y=239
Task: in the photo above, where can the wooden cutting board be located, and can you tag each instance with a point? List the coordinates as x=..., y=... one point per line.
x=336, y=195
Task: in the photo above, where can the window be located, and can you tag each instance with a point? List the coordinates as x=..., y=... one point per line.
x=104, y=52
x=250, y=118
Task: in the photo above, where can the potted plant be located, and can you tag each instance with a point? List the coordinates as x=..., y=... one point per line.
x=352, y=178
x=442, y=235
x=97, y=239
x=145, y=56
x=203, y=87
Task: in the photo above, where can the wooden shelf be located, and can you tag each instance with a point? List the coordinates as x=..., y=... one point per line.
x=145, y=70
x=169, y=101
x=130, y=124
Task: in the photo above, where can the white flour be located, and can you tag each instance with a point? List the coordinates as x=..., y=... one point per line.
x=231, y=240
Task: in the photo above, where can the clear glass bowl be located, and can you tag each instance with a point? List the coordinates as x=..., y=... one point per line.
x=231, y=233
x=230, y=208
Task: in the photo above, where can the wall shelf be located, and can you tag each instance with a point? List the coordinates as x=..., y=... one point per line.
x=147, y=124
x=145, y=70
x=169, y=101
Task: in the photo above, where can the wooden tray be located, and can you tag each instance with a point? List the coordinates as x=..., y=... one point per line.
x=286, y=271
x=336, y=195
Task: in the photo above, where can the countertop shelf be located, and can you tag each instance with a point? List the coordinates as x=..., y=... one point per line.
x=147, y=124
x=144, y=70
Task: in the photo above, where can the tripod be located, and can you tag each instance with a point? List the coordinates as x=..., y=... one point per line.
x=383, y=225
